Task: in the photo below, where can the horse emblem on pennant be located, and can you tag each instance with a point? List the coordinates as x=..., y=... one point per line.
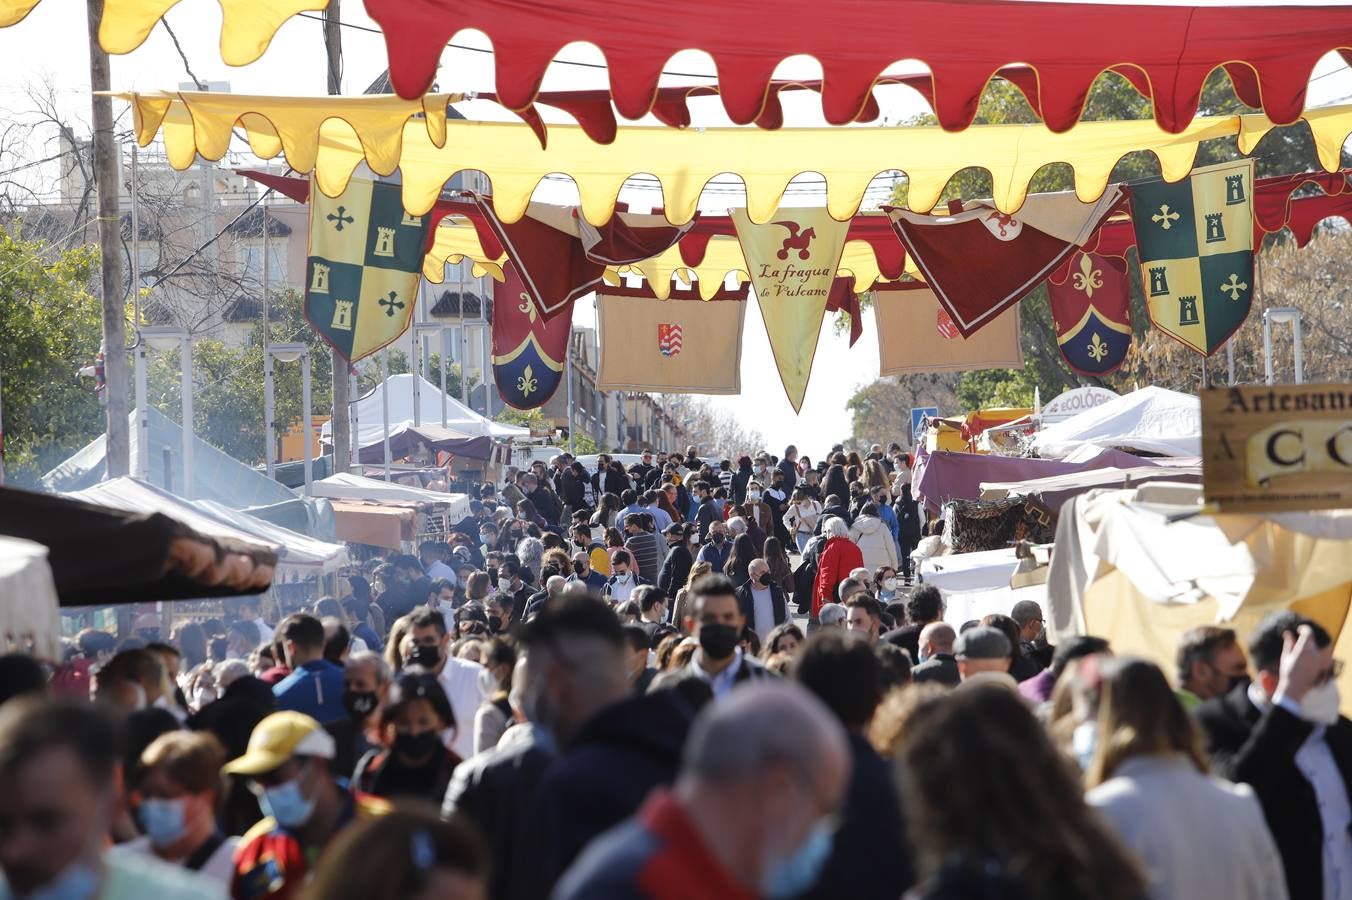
x=669, y=339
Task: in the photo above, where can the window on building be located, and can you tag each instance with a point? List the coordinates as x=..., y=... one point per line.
x=252, y=252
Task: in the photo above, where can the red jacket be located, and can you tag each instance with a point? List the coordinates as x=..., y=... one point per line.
x=839, y=558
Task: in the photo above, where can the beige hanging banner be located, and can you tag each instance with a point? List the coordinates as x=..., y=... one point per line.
x=792, y=261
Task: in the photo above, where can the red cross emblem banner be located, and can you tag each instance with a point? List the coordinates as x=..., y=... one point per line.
x=528, y=349
x=365, y=260
x=676, y=346
x=1091, y=309
x=980, y=262
x=792, y=261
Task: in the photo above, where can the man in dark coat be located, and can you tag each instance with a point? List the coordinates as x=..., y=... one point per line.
x=842, y=669
x=676, y=567
x=908, y=527
x=939, y=665
x=834, y=506
x=759, y=580
x=789, y=466
x=1281, y=734
x=614, y=747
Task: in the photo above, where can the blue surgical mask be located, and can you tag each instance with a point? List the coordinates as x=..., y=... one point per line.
x=77, y=882
x=287, y=804
x=794, y=875
x=163, y=820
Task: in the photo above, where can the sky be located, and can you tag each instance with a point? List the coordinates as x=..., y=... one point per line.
x=49, y=47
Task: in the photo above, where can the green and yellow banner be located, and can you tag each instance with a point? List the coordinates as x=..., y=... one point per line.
x=366, y=255
x=1195, y=240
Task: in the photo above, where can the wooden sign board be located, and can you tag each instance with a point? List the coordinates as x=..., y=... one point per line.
x=1277, y=448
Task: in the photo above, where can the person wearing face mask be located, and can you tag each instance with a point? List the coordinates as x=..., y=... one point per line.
x=748, y=816
x=707, y=511
x=762, y=601
x=1282, y=735
x=757, y=510
x=495, y=713
x=175, y=797
x=716, y=620
x=288, y=767
x=59, y=794
x=718, y=549
x=1149, y=781
x=620, y=586
x=583, y=572
x=676, y=565
x=414, y=762
x=1210, y=663
x=366, y=680
x=461, y=679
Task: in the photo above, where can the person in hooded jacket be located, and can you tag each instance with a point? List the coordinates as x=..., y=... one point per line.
x=874, y=538
x=835, y=483
x=908, y=527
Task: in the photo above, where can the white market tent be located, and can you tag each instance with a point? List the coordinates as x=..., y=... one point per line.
x=217, y=520
x=369, y=412
x=30, y=608
x=977, y=584
x=344, y=486
x=1150, y=420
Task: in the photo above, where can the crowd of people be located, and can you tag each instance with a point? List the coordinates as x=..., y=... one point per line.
x=679, y=679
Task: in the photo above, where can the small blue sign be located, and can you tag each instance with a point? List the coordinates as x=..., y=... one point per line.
x=919, y=415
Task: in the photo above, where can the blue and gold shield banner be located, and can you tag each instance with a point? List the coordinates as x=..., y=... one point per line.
x=528, y=349
x=1091, y=309
x=361, y=277
x=1195, y=240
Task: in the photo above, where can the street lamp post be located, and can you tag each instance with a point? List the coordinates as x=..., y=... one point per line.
x=1283, y=315
x=164, y=337
x=288, y=353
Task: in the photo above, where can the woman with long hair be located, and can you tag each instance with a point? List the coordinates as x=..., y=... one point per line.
x=997, y=810
x=739, y=560
x=1148, y=779
x=781, y=571
x=681, y=607
x=835, y=484
x=875, y=477
x=785, y=637
x=606, y=510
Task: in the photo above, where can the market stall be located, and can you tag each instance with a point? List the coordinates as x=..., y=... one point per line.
x=30, y=620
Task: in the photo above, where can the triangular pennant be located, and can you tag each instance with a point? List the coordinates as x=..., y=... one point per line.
x=792, y=262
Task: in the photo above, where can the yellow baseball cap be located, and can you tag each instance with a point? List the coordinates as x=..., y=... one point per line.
x=279, y=737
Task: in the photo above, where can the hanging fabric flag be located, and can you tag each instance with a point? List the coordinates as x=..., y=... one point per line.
x=1195, y=241
x=916, y=334
x=528, y=349
x=560, y=256
x=980, y=262
x=677, y=346
x=361, y=277
x=1091, y=308
x=792, y=262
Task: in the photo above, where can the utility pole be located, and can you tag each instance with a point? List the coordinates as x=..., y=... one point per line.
x=107, y=178
x=340, y=431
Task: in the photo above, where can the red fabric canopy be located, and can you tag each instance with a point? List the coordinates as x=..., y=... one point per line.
x=964, y=43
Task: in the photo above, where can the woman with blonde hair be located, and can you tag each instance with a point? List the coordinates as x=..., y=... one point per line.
x=980, y=748
x=682, y=605
x=394, y=654
x=1148, y=779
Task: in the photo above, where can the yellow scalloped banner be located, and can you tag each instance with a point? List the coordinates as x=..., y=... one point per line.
x=684, y=161
x=722, y=257
x=247, y=26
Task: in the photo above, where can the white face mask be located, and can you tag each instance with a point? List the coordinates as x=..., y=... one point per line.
x=1320, y=704
x=889, y=584
x=753, y=496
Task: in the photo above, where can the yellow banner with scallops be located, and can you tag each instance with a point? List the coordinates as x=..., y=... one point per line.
x=1274, y=448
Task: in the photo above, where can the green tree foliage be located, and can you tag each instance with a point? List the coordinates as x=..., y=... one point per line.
x=49, y=330
x=1283, y=150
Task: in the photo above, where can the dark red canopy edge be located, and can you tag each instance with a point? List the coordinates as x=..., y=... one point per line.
x=963, y=42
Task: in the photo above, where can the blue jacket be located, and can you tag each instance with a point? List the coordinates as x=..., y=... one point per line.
x=316, y=689
x=889, y=517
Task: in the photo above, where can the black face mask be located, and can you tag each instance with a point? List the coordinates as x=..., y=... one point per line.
x=426, y=655
x=360, y=704
x=577, y=568
x=718, y=640
x=494, y=625
x=764, y=579
x=718, y=537
x=416, y=746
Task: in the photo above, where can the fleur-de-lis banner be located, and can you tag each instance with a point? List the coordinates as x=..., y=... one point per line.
x=366, y=256
x=528, y=349
x=1091, y=308
x=1195, y=241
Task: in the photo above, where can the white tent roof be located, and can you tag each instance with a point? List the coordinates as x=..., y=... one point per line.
x=216, y=520
x=26, y=579
x=344, y=486
x=370, y=412
x=1152, y=419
